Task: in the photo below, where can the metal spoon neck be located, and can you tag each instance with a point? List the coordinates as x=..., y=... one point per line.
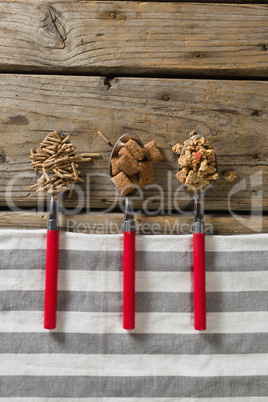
x=129, y=215
x=53, y=214
x=199, y=213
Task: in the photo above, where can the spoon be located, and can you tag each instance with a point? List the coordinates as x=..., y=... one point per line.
x=52, y=257
x=199, y=260
x=128, y=243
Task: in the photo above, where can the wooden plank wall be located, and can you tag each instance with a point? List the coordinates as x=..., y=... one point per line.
x=157, y=69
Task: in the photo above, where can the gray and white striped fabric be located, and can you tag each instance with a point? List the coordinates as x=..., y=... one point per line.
x=89, y=357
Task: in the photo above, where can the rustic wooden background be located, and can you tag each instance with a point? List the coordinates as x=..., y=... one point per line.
x=156, y=69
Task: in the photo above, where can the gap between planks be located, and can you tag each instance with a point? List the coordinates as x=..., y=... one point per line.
x=113, y=223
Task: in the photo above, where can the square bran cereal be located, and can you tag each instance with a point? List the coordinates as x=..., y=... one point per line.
x=115, y=166
x=135, y=180
x=135, y=149
x=122, y=182
x=146, y=173
x=153, y=152
x=127, y=163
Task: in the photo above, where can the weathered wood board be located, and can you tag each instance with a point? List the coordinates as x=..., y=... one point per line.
x=113, y=223
x=231, y=114
x=117, y=37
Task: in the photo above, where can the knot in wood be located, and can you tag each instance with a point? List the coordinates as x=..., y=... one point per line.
x=2, y=157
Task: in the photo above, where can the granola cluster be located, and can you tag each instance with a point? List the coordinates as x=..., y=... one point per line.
x=197, y=163
x=230, y=175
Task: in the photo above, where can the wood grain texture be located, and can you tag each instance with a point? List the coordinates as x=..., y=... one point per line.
x=218, y=1
x=106, y=37
x=113, y=223
x=231, y=114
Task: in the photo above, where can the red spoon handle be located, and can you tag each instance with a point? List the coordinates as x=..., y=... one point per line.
x=129, y=280
x=51, y=284
x=199, y=281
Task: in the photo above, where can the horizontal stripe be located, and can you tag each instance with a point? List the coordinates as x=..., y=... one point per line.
x=138, y=365
x=148, y=281
x=138, y=387
x=149, y=323
x=108, y=260
x=34, y=239
x=134, y=344
x=230, y=399
x=145, y=301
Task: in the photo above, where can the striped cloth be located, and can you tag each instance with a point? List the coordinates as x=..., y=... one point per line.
x=89, y=357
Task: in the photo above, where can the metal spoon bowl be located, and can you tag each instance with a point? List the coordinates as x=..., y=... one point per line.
x=198, y=195
x=211, y=184
x=114, y=154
